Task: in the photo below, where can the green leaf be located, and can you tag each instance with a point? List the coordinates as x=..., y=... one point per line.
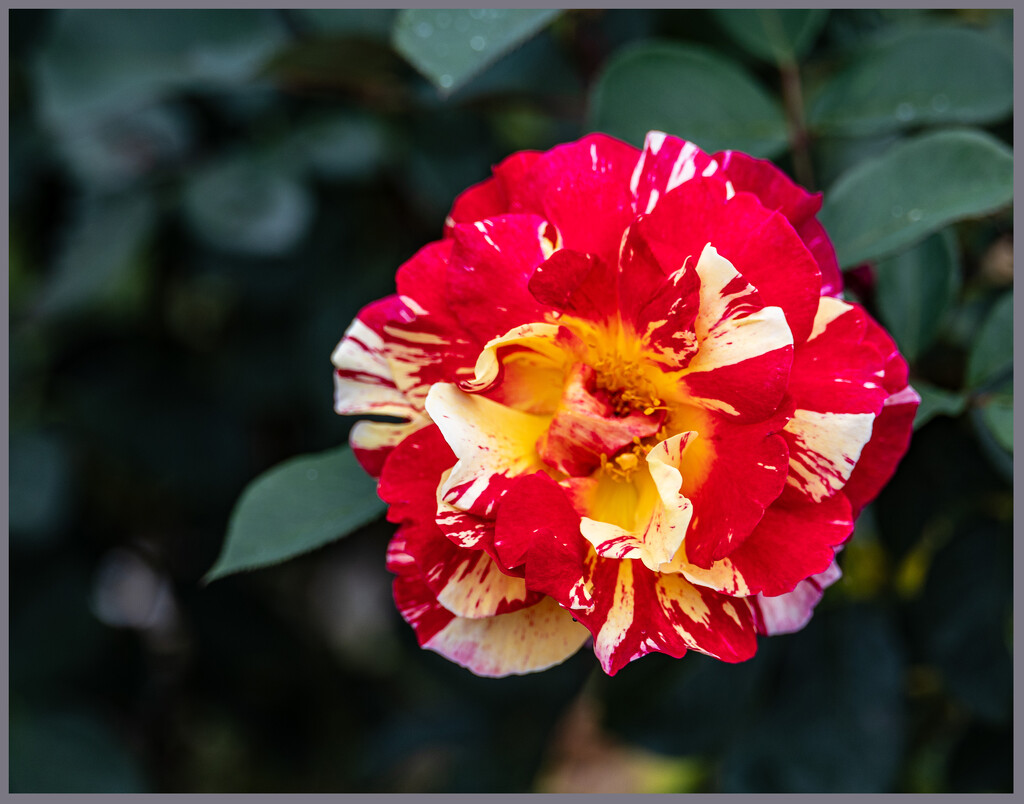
x=915, y=288
x=771, y=34
x=936, y=402
x=375, y=23
x=991, y=356
x=688, y=92
x=914, y=188
x=917, y=77
x=451, y=46
x=98, y=60
x=997, y=414
x=248, y=205
x=100, y=265
x=295, y=507
x=40, y=482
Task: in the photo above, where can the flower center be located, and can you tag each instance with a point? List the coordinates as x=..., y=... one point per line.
x=626, y=386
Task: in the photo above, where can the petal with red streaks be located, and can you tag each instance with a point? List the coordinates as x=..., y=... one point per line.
x=491, y=263
x=655, y=540
x=789, y=544
x=744, y=349
x=788, y=613
x=524, y=641
x=583, y=189
x=731, y=474
x=493, y=444
x=667, y=162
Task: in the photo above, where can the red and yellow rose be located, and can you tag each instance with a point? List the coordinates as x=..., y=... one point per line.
x=626, y=404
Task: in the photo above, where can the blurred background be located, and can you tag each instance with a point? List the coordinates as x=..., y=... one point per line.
x=200, y=201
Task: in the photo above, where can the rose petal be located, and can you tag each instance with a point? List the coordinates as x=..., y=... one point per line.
x=524, y=641
x=788, y=613
x=744, y=350
x=789, y=544
x=583, y=189
x=466, y=582
x=493, y=443
x=666, y=163
x=731, y=473
x=490, y=266
x=890, y=437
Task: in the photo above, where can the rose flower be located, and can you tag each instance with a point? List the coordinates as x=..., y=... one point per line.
x=624, y=403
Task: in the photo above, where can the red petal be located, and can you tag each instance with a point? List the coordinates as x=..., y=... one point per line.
x=773, y=188
x=732, y=473
x=583, y=189
x=790, y=612
x=882, y=454
x=579, y=284
x=489, y=198
x=666, y=163
x=488, y=273
x=534, y=503
x=792, y=543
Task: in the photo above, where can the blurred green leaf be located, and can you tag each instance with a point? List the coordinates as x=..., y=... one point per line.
x=451, y=46
x=999, y=457
x=343, y=146
x=295, y=507
x=936, y=402
x=371, y=22
x=109, y=153
x=997, y=413
x=689, y=92
x=780, y=36
x=914, y=290
x=40, y=479
x=70, y=751
x=917, y=77
x=991, y=354
x=916, y=187
x=249, y=206
x=98, y=60
x=99, y=265
x=835, y=155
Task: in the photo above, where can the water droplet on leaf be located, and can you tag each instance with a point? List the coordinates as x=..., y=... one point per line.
x=915, y=214
x=445, y=81
x=905, y=111
x=478, y=43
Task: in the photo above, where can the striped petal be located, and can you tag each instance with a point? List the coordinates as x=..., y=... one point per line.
x=524, y=641
x=788, y=613
x=656, y=540
x=666, y=163
x=466, y=582
x=493, y=444
x=491, y=263
x=583, y=189
x=789, y=544
x=837, y=394
x=745, y=349
x=761, y=244
x=731, y=474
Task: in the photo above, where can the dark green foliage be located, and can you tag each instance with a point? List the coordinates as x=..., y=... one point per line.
x=200, y=202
